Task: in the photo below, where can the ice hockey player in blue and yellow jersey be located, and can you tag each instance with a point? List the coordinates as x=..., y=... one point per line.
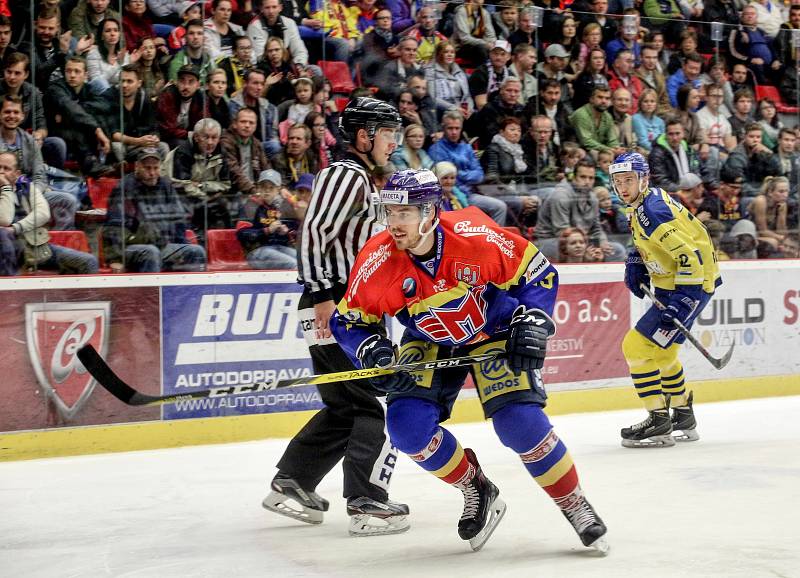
x=461, y=285
x=673, y=251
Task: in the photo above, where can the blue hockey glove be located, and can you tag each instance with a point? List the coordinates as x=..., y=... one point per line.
x=636, y=274
x=681, y=305
x=526, y=346
x=377, y=351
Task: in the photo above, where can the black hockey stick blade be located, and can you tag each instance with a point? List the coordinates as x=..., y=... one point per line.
x=719, y=363
x=106, y=377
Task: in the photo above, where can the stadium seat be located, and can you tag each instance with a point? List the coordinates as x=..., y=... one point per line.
x=225, y=253
x=771, y=92
x=339, y=75
x=71, y=240
x=100, y=189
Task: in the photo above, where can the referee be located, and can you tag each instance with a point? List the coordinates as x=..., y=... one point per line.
x=340, y=218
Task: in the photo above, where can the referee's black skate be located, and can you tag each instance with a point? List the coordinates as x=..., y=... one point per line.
x=590, y=528
x=483, y=507
x=683, y=421
x=289, y=499
x=655, y=431
x=369, y=517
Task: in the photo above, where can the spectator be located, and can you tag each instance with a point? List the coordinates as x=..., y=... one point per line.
x=716, y=231
x=24, y=214
x=652, y=78
x=105, y=59
x=522, y=65
x=612, y=215
x=180, y=106
x=556, y=59
x=486, y=122
x=573, y=205
x=270, y=23
x=470, y=174
x=86, y=17
x=724, y=204
x=789, y=247
x=722, y=11
x=485, y=80
x=380, y=45
x=716, y=73
x=298, y=157
x=688, y=74
x=742, y=112
x=267, y=236
x=753, y=160
x=219, y=33
x=302, y=104
x=407, y=107
x=266, y=113
x=146, y=60
x=745, y=239
x=391, y=75
x=192, y=53
x=591, y=39
x=201, y=177
x=713, y=121
x=342, y=36
x=593, y=76
x=77, y=116
x=666, y=16
x=425, y=33
x=569, y=40
x=599, y=16
x=473, y=32
x=323, y=144
x=411, y=155
x=216, y=97
x=296, y=203
x=686, y=46
x=526, y=29
x=553, y=107
x=688, y=102
x=542, y=155
x=453, y=197
x=571, y=154
x=505, y=19
x=671, y=158
x=646, y=124
x=238, y=64
x=447, y=83
x=573, y=247
x=138, y=24
x=784, y=51
x=6, y=49
x=279, y=71
x=425, y=105
x=769, y=211
x=623, y=122
x=132, y=119
x=769, y=17
x=601, y=175
x=146, y=223
x=767, y=117
x=628, y=39
x=188, y=11
x=692, y=194
x=621, y=76
x=402, y=18
x=741, y=77
x=594, y=125
x=789, y=157
x=750, y=45
x=243, y=153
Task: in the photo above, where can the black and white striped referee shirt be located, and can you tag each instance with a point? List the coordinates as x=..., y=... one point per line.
x=340, y=218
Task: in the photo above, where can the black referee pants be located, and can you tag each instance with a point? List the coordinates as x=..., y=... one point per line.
x=352, y=425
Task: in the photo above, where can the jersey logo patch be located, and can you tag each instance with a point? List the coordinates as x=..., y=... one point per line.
x=467, y=273
x=457, y=321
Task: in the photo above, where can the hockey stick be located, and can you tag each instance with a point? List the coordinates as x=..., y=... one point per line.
x=106, y=377
x=718, y=363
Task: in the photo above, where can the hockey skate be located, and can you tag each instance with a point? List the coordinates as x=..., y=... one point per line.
x=590, y=528
x=289, y=499
x=483, y=507
x=655, y=431
x=683, y=421
x=370, y=517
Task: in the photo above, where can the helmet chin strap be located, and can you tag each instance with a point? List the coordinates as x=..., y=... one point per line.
x=422, y=235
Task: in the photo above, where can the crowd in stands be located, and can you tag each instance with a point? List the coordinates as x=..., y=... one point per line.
x=155, y=135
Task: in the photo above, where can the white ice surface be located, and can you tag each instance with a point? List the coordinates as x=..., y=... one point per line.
x=727, y=506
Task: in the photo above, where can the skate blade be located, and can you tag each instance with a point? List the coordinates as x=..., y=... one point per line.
x=362, y=525
x=601, y=546
x=496, y=513
x=664, y=441
x=688, y=435
x=277, y=502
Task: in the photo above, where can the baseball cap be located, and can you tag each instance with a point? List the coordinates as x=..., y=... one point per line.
x=502, y=45
x=556, y=50
x=187, y=5
x=305, y=181
x=189, y=69
x=270, y=176
x=689, y=181
x=148, y=152
x=731, y=175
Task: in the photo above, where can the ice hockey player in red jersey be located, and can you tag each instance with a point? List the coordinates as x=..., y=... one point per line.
x=461, y=285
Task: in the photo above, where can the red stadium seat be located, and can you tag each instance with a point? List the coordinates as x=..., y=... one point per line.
x=100, y=189
x=71, y=240
x=339, y=75
x=771, y=92
x=225, y=253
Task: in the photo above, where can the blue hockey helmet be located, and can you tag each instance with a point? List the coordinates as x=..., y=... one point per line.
x=630, y=163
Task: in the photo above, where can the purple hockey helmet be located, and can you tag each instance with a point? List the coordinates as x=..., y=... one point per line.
x=412, y=187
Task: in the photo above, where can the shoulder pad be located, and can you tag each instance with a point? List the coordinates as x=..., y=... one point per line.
x=653, y=212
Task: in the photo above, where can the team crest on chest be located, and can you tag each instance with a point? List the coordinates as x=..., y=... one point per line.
x=457, y=321
x=468, y=273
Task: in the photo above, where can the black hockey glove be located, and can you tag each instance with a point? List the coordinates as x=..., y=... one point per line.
x=636, y=274
x=377, y=351
x=526, y=346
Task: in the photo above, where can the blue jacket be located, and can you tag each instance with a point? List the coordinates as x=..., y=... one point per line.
x=674, y=82
x=463, y=156
x=647, y=129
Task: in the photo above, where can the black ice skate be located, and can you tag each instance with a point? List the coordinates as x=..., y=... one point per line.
x=683, y=421
x=370, y=517
x=483, y=507
x=289, y=499
x=655, y=431
x=590, y=528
